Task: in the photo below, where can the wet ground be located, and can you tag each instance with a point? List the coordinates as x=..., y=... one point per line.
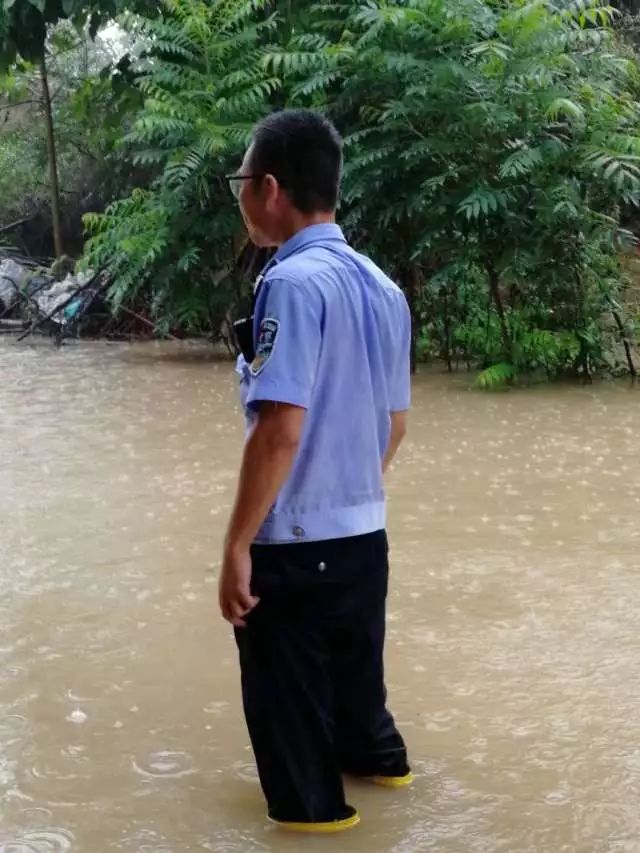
x=513, y=655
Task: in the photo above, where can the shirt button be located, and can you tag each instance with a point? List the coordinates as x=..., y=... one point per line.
x=322, y=567
x=298, y=532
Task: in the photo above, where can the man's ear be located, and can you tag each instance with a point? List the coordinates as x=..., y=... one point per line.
x=271, y=189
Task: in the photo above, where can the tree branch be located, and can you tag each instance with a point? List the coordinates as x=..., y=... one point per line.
x=146, y=322
x=60, y=308
x=19, y=104
x=16, y=223
x=81, y=148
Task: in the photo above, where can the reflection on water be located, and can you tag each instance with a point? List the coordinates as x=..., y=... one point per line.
x=513, y=654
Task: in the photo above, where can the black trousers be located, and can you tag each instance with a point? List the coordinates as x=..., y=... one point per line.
x=312, y=673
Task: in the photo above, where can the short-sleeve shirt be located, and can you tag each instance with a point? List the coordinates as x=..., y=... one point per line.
x=332, y=335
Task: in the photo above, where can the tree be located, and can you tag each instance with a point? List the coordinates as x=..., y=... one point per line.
x=503, y=138
x=491, y=147
x=93, y=102
x=24, y=27
x=175, y=242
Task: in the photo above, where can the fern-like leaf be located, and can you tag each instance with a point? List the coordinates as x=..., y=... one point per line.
x=496, y=376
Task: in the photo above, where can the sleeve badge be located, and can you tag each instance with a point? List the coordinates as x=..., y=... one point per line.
x=267, y=336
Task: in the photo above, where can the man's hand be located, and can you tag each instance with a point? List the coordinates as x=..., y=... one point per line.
x=234, y=587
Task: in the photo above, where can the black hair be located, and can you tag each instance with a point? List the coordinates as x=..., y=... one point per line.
x=303, y=151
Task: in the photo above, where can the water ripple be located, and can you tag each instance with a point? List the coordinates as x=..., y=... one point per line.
x=165, y=764
x=52, y=840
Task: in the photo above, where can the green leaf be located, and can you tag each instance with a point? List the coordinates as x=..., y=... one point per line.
x=564, y=107
x=496, y=376
x=521, y=162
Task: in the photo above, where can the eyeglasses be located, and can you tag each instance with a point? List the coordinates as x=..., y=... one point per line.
x=235, y=182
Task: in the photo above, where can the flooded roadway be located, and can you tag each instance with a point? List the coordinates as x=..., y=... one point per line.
x=514, y=646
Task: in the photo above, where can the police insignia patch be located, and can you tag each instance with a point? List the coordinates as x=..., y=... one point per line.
x=267, y=336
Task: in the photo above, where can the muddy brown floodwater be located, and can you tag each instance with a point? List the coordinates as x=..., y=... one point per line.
x=514, y=613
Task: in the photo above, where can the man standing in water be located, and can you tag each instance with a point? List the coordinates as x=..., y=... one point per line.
x=325, y=385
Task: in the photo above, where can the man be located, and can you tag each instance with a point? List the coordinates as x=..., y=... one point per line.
x=325, y=385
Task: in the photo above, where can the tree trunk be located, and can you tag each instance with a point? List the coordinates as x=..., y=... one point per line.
x=624, y=337
x=53, y=163
x=583, y=356
x=494, y=288
x=447, y=330
x=410, y=280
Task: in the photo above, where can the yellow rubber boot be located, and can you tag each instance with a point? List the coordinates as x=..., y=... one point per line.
x=320, y=826
x=393, y=781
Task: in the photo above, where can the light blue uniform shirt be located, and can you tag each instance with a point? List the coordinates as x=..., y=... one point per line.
x=332, y=335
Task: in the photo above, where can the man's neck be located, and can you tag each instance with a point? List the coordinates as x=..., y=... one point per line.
x=300, y=221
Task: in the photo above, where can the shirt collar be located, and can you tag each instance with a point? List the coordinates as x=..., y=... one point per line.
x=307, y=236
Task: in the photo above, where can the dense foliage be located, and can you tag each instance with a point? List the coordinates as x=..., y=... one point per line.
x=93, y=100
x=204, y=87
x=493, y=155
x=504, y=139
